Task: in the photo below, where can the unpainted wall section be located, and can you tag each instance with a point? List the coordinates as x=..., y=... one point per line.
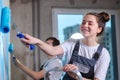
x=22, y=18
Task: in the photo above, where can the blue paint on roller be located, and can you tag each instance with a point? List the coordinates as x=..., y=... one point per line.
x=5, y=20
x=11, y=48
x=31, y=46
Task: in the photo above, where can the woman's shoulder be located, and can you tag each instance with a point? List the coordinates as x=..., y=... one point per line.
x=72, y=40
x=105, y=53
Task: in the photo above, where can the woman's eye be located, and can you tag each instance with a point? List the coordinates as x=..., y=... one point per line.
x=83, y=22
x=90, y=23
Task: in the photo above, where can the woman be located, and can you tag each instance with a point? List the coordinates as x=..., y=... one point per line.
x=92, y=26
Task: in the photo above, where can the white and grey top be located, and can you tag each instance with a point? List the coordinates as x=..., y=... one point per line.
x=88, y=52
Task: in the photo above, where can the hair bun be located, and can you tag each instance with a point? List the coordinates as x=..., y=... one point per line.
x=104, y=16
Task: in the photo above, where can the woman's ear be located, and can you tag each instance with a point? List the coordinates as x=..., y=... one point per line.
x=99, y=29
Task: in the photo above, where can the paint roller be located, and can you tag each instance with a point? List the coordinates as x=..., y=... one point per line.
x=5, y=20
x=5, y=24
x=31, y=46
x=11, y=50
x=20, y=35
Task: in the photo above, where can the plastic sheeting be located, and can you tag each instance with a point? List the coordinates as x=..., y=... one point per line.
x=2, y=63
x=4, y=54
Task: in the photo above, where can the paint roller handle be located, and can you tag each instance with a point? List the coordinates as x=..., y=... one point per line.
x=31, y=46
x=15, y=60
x=11, y=50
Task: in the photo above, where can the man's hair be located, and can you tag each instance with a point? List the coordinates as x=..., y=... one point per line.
x=55, y=41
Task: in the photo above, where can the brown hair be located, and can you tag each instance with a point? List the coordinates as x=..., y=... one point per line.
x=55, y=41
x=102, y=18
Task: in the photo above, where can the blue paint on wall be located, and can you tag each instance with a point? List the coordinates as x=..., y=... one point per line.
x=4, y=54
x=1, y=47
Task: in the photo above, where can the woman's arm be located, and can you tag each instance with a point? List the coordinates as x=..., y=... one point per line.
x=31, y=73
x=50, y=50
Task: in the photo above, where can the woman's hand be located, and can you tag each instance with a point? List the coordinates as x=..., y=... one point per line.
x=69, y=67
x=29, y=39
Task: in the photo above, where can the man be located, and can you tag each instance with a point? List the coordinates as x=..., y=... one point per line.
x=53, y=62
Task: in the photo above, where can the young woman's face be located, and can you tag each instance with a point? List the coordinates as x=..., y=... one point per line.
x=89, y=26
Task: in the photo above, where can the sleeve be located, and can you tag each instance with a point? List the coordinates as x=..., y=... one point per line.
x=68, y=48
x=66, y=45
x=52, y=64
x=102, y=65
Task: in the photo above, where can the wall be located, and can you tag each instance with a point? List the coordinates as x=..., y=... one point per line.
x=118, y=42
x=22, y=17
x=35, y=17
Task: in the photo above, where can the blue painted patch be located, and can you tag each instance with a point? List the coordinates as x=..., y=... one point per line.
x=4, y=54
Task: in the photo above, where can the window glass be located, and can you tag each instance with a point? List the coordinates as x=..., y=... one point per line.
x=67, y=25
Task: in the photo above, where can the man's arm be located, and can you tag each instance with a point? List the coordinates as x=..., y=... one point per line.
x=31, y=73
